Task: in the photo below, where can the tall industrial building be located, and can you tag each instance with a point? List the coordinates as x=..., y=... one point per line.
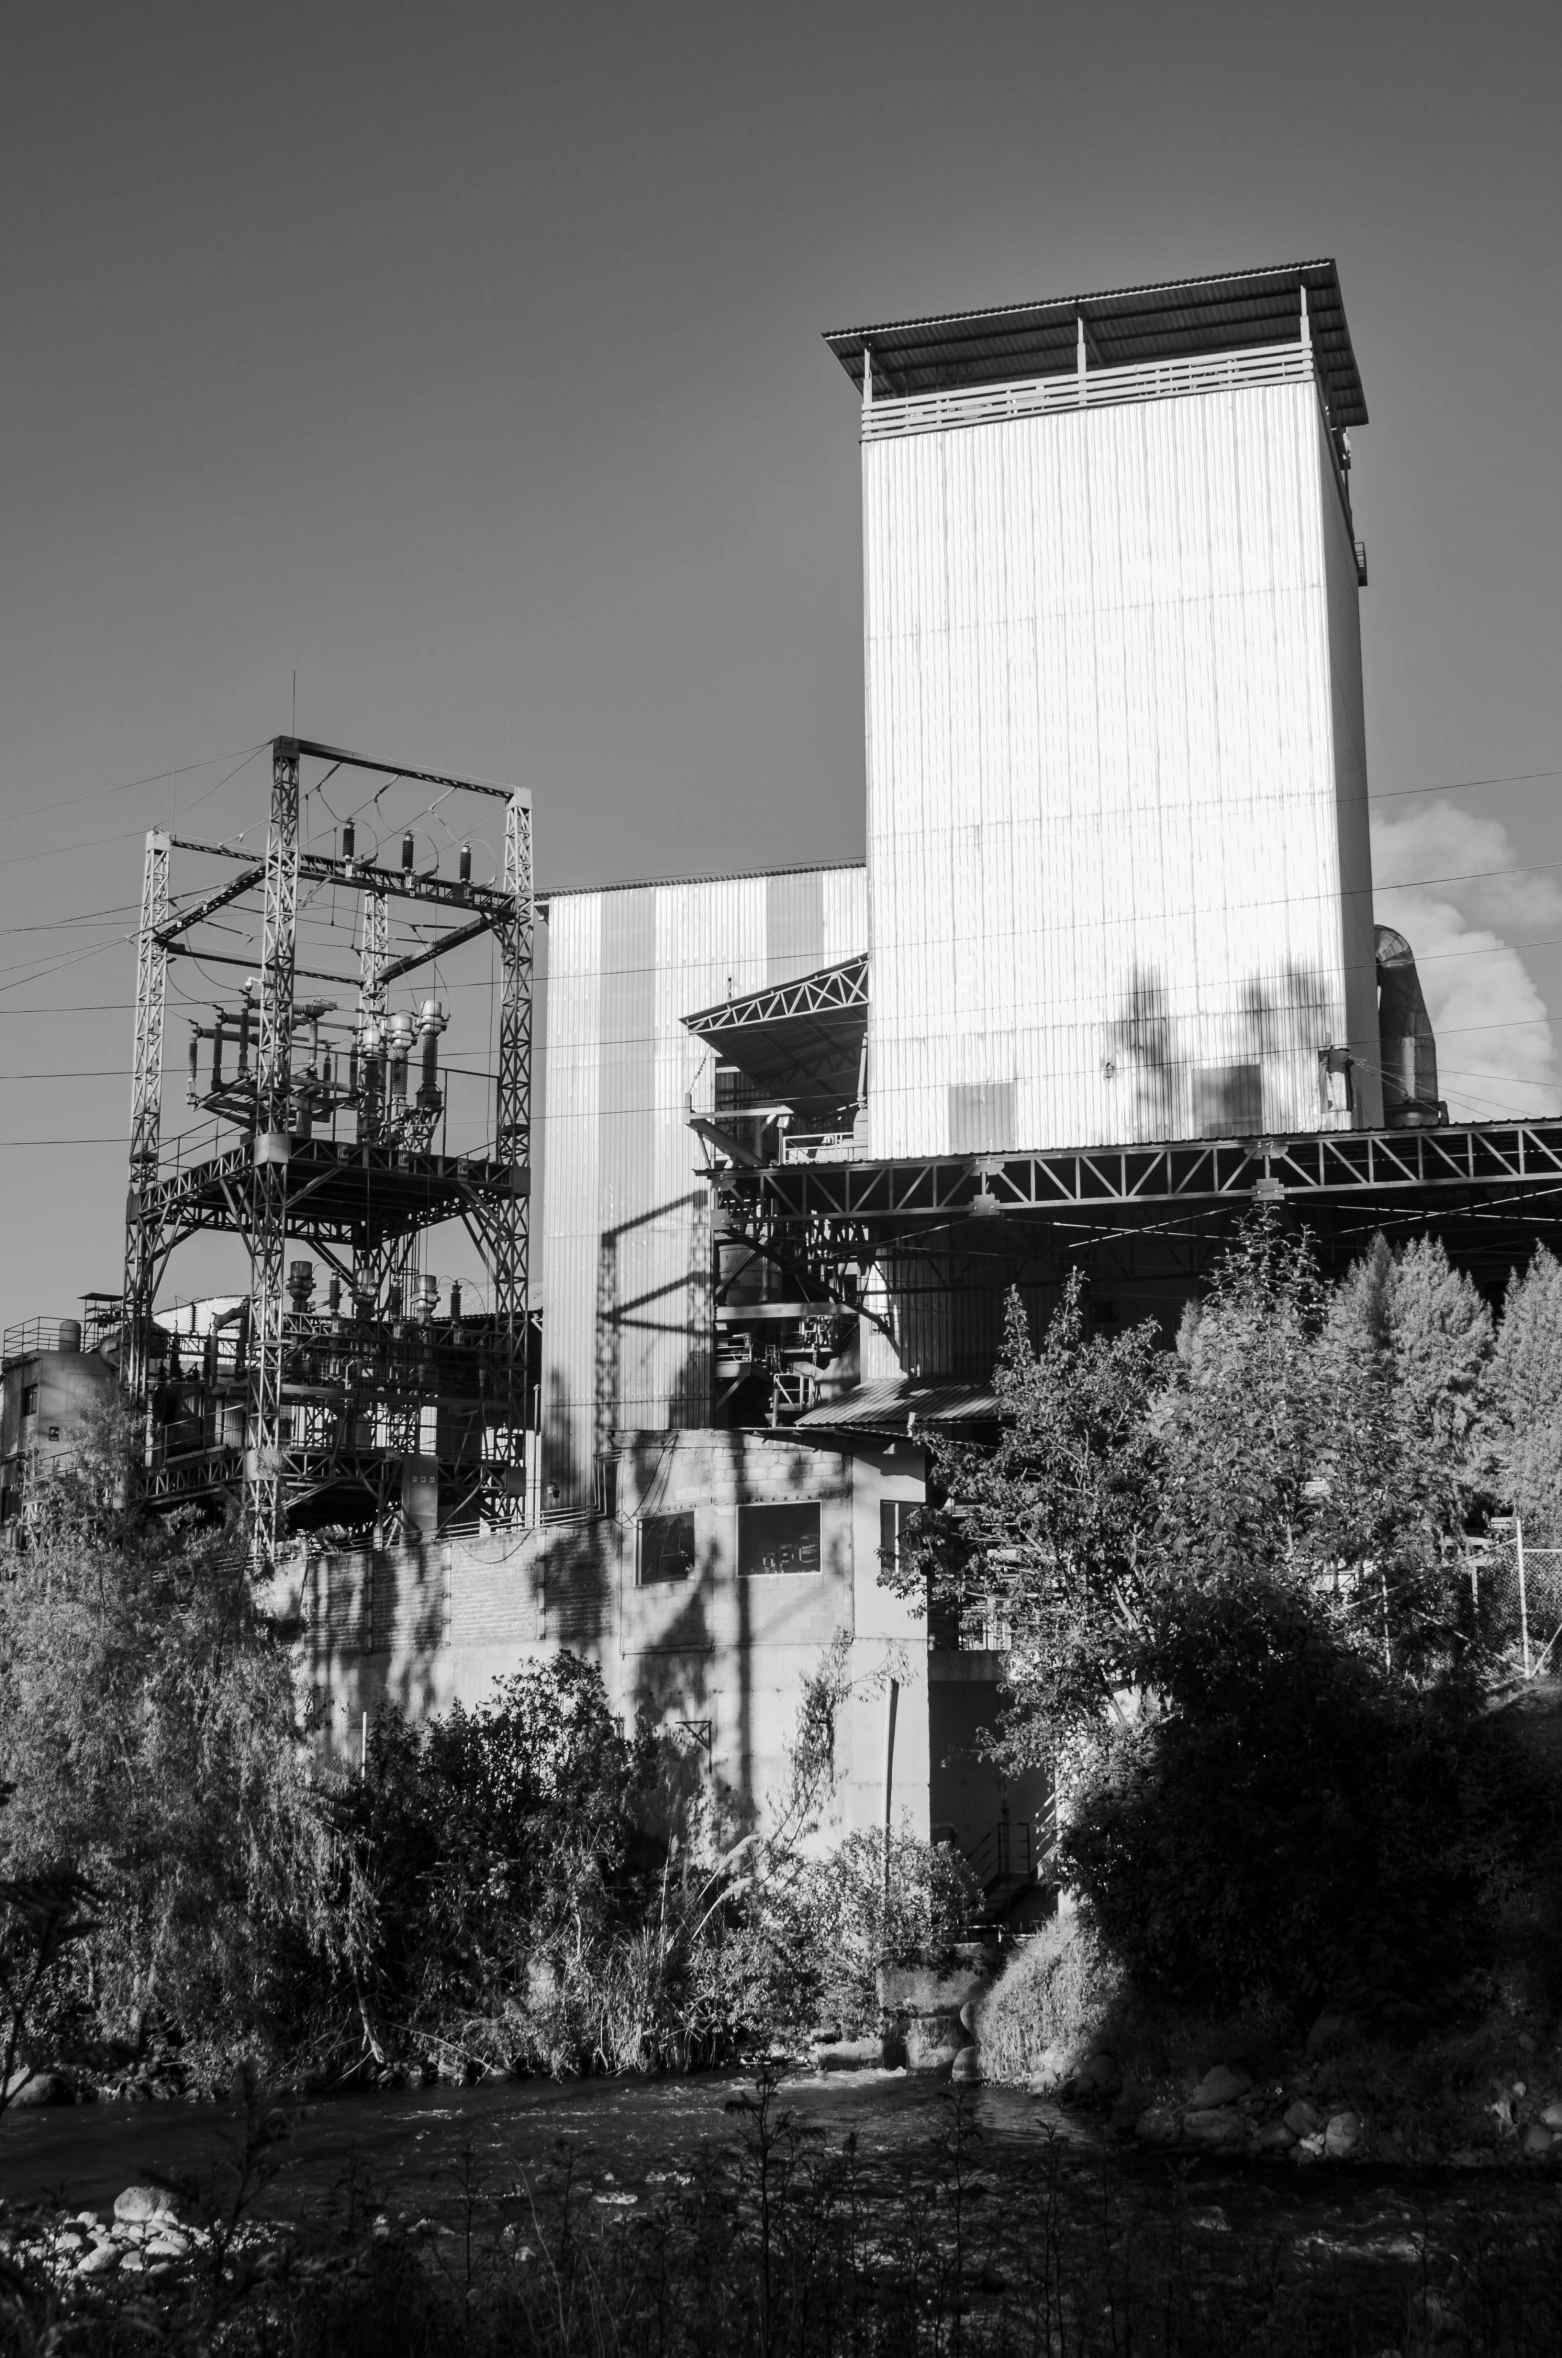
x=769, y=1153
x=1117, y=822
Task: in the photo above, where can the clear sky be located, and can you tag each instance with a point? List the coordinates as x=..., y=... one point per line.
x=466, y=361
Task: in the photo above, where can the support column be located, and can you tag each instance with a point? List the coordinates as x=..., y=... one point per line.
x=510, y=1211
x=143, y=1228
x=264, y=1468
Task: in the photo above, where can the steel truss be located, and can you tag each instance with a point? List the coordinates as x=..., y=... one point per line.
x=289, y=1406
x=953, y=1224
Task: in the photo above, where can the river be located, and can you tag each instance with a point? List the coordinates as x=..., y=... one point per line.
x=412, y=2151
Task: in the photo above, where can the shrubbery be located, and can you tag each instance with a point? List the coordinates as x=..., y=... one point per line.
x=1289, y=1822
x=1238, y=1575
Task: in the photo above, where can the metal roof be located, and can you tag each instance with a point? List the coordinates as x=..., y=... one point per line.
x=564, y=892
x=895, y=1405
x=1175, y=320
x=799, y=1041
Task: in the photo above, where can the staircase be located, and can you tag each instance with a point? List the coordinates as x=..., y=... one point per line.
x=1009, y=1860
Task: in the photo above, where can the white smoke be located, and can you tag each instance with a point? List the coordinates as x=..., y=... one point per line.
x=1496, y=1056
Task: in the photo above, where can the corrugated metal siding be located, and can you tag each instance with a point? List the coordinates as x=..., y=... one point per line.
x=1348, y=714
x=1101, y=759
x=623, y=1233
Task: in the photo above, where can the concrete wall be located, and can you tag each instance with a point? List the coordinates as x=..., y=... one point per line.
x=717, y=1657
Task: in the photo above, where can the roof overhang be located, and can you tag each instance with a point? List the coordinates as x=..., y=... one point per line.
x=1236, y=311
x=800, y=1042
x=900, y=1409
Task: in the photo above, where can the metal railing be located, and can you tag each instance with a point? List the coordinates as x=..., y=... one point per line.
x=821, y=1146
x=1153, y=380
x=1003, y=1857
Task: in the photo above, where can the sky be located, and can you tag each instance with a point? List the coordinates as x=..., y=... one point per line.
x=466, y=363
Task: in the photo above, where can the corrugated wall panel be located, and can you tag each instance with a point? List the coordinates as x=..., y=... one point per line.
x=623, y=1231
x=1103, y=768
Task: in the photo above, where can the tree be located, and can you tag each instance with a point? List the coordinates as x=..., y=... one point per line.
x=488, y=1862
x=149, y=1733
x=1054, y=1524
x=1241, y=1421
x=1524, y=1396
x=1400, y=1459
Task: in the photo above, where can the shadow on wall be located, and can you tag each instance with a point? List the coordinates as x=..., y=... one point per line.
x=683, y=1387
x=1181, y=1089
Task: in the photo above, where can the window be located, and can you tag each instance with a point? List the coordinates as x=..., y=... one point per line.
x=778, y=1539
x=666, y=1549
x=892, y=1523
x=30, y=1400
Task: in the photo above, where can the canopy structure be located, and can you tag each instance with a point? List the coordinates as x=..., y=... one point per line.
x=1236, y=311
x=901, y=1408
x=799, y=1042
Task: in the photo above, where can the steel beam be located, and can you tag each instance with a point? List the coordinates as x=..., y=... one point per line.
x=142, y=1226
x=509, y=1209
x=264, y=1485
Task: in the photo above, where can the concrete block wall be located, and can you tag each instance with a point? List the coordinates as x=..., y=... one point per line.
x=718, y=1657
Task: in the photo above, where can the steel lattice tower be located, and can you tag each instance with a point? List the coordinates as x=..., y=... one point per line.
x=292, y=1408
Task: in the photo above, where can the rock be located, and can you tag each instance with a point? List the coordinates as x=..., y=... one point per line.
x=1214, y=2129
x=1101, y=2073
x=1537, y=2141
x=169, y=2244
x=1275, y=2137
x=1330, y=2030
x=31, y=2089
x=965, y=2065
x=1551, y=2118
x=968, y=2017
x=1221, y=2085
x=1342, y=2135
x=930, y=2046
x=102, y=2260
x=1159, y=2124
x=1303, y=2119
x=137, y=2204
x=842, y=2055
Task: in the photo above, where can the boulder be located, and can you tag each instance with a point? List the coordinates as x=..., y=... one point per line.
x=1342, y=2135
x=1537, y=2141
x=1223, y=2084
x=965, y=2065
x=1099, y=2072
x=1214, y=2130
x=1551, y=2118
x=1276, y=2137
x=139, y=2204
x=1329, y=2031
x=30, y=2089
x=1160, y=2125
x=1303, y=2119
x=930, y=2046
x=102, y=2260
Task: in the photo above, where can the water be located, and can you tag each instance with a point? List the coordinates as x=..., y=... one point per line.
x=412, y=2150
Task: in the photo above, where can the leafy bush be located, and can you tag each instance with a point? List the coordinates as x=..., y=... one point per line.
x=149, y=1736
x=492, y=1864
x=826, y=1931
x=1288, y=1822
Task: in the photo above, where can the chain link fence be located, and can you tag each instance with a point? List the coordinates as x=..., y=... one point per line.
x=1516, y=1594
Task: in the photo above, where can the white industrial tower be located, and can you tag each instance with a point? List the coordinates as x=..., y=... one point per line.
x=1119, y=877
